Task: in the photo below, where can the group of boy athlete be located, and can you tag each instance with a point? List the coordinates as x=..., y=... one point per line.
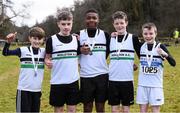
x=89, y=49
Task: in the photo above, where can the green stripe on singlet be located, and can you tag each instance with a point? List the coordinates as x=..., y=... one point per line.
x=66, y=57
x=31, y=66
x=122, y=58
x=98, y=50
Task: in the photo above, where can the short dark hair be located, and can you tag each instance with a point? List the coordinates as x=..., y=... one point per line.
x=37, y=32
x=120, y=15
x=149, y=25
x=64, y=15
x=92, y=10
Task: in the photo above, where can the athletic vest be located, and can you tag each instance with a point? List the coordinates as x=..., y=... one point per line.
x=28, y=79
x=121, y=62
x=65, y=61
x=151, y=74
x=95, y=64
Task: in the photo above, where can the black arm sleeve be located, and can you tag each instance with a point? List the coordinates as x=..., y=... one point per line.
x=170, y=59
x=137, y=45
x=7, y=52
x=49, y=47
x=107, y=44
x=78, y=49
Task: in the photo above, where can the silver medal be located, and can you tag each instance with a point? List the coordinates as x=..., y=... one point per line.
x=90, y=53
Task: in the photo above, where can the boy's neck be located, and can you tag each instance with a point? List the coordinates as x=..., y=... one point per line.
x=35, y=47
x=61, y=34
x=123, y=33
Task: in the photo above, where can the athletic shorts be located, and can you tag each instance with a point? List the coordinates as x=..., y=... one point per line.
x=121, y=92
x=27, y=101
x=64, y=94
x=95, y=88
x=150, y=95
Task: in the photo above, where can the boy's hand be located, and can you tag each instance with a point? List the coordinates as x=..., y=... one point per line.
x=10, y=37
x=77, y=36
x=85, y=49
x=48, y=63
x=114, y=34
x=162, y=52
x=135, y=67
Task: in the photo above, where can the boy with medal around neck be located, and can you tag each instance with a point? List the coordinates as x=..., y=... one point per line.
x=31, y=72
x=122, y=48
x=93, y=67
x=150, y=81
x=62, y=51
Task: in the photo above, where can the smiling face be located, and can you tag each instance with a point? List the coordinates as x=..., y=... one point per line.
x=65, y=27
x=149, y=35
x=91, y=20
x=120, y=25
x=36, y=42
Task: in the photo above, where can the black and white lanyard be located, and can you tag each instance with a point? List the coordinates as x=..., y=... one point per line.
x=35, y=64
x=92, y=41
x=149, y=54
x=119, y=45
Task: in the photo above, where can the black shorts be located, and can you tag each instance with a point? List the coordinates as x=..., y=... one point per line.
x=64, y=94
x=121, y=92
x=27, y=101
x=95, y=88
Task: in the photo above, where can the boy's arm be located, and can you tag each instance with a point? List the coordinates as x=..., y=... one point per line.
x=107, y=44
x=7, y=52
x=78, y=49
x=48, y=56
x=10, y=37
x=137, y=45
x=163, y=51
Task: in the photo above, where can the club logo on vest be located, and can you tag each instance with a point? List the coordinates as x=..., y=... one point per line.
x=60, y=45
x=28, y=54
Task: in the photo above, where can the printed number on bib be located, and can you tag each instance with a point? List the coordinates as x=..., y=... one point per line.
x=149, y=70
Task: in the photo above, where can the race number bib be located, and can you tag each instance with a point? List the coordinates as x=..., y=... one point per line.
x=150, y=70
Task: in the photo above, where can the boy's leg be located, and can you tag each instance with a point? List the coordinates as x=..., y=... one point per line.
x=59, y=109
x=127, y=92
x=143, y=108
x=72, y=96
x=36, y=100
x=100, y=107
x=57, y=97
x=23, y=101
x=114, y=96
x=88, y=107
x=155, y=109
x=71, y=108
x=115, y=109
x=101, y=92
x=156, y=99
x=126, y=109
x=142, y=98
x=87, y=93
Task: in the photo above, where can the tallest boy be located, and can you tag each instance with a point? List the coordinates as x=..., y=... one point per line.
x=93, y=67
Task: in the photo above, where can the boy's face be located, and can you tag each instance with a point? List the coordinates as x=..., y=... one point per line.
x=65, y=27
x=120, y=25
x=36, y=42
x=149, y=35
x=91, y=20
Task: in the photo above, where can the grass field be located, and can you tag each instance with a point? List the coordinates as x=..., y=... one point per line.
x=9, y=69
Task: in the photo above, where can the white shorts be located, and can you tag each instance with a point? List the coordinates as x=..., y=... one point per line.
x=150, y=95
